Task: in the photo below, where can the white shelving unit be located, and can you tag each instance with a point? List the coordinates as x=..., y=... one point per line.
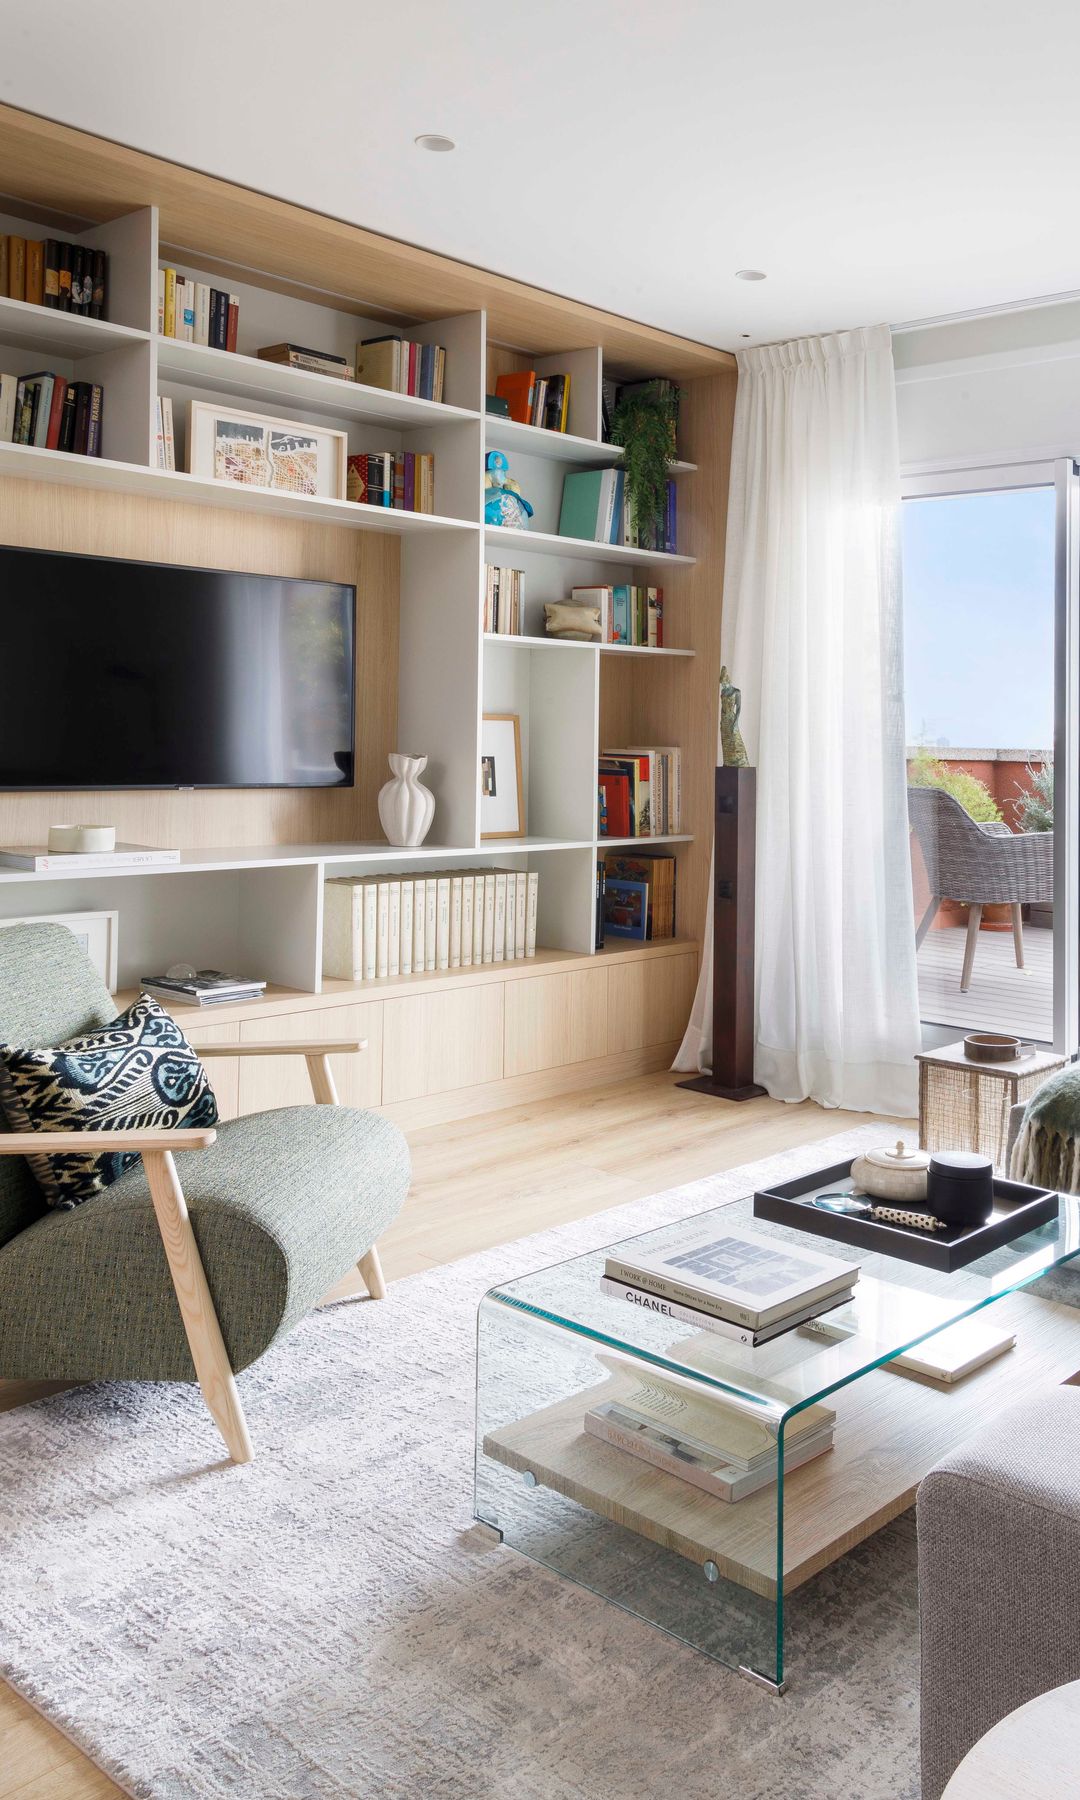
x=262, y=908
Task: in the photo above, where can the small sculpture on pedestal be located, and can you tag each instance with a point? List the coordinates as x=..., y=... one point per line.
x=731, y=744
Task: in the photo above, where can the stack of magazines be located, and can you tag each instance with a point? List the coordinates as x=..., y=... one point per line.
x=203, y=987
x=735, y=1283
x=674, y=1424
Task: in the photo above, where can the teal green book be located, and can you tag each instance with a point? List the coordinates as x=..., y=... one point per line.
x=582, y=494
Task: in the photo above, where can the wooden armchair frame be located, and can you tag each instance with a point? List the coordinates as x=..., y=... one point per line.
x=212, y=1367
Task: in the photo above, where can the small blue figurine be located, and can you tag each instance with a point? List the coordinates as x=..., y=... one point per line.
x=504, y=504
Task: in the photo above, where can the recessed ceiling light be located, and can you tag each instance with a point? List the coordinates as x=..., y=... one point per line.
x=434, y=140
x=744, y=334
x=749, y=274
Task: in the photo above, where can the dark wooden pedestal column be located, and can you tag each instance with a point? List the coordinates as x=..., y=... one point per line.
x=732, y=1075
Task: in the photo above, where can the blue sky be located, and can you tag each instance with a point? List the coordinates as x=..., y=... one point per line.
x=979, y=619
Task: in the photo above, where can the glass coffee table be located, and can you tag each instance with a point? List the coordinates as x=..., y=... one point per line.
x=726, y=1577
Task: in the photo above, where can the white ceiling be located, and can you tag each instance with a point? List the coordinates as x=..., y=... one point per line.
x=879, y=163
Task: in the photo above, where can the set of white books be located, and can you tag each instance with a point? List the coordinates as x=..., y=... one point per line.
x=415, y=924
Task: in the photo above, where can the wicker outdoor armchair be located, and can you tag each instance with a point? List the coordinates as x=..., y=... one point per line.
x=978, y=865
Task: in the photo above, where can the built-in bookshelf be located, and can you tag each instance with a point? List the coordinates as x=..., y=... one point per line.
x=427, y=672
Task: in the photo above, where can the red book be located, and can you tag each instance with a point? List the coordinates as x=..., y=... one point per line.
x=615, y=786
x=52, y=440
x=518, y=391
x=234, y=320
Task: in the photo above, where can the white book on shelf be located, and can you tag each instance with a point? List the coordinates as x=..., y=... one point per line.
x=37, y=859
x=455, y=921
x=202, y=313
x=184, y=326
x=170, y=436
x=161, y=302
x=9, y=387
x=478, y=919
x=407, y=888
x=531, y=905
x=489, y=917
x=371, y=929
x=159, y=445
x=498, y=941
x=468, y=888
x=393, y=934
x=382, y=929
x=431, y=914
x=510, y=930
x=521, y=904
x=343, y=929
x=442, y=923
x=419, y=926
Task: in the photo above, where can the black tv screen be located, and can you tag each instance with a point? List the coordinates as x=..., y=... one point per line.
x=149, y=675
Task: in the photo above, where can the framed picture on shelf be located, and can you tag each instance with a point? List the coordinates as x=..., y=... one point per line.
x=502, y=806
x=94, y=932
x=255, y=451
x=626, y=909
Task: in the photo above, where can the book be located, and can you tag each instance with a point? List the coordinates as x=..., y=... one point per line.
x=99, y=290
x=93, y=427
x=125, y=856
x=371, y=929
x=169, y=303
x=431, y=923
x=51, y=273
x=683, y=1408
x=455, y=921
x=202, y=313
x=393, y=929
x=498, y=938
x=588, y=504
x=709, y=1470
x=207, y=987
x=316, y=362
x=16, y=268
x=626, y=908
x=468, y=892
x=233, y=324
x=741, y=1276
x=442, y=922
x=382, y=930
x=658, y=872
x=35, y=272
x=518, y=389
x=64, y=277
x=9, y=387
x=419, y=926
x=343, y=930
x=488, y=942
x=219, y=319
x=532, y=896
x=510, y=928
x=167, y=428
x=405, y=963
x=681, y=1314
x=955, y=1352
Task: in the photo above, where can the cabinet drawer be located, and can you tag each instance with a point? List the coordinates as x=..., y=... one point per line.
x=555, y=1019
x=435, y=1042
x=269, y=1081
x=649, y=1002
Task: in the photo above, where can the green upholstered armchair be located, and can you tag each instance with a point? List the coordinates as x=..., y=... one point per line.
x=151, y=1281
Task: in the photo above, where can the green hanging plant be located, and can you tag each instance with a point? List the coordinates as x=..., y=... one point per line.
x=644, y=424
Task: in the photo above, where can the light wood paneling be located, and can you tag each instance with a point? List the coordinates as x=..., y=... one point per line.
x=269, y=1081
x=91, y=178
x=554, y=1019
x=224, y=1071
x=40, y=515
x=649, y=1003
x=438, y=1042
x=512, y=1091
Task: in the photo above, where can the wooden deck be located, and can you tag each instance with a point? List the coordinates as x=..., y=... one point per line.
x=1001, y=996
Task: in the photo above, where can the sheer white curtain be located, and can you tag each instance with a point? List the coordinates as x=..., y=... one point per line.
x=812, y=633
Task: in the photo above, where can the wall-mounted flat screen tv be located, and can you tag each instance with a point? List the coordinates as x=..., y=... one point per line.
x=150, y=675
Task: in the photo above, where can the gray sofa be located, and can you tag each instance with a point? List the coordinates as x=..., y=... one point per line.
x=999, y=1576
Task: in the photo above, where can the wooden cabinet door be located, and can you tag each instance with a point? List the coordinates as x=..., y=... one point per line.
x=224, y=1071
x=435, y=1042
x=649, y=1002
x=270, y=1081
x=552, y=1020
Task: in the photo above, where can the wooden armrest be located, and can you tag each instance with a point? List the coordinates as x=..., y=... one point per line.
x=61, y=1143
x=344, y=1047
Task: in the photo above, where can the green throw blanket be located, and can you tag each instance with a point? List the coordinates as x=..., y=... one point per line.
x=1047, y=1150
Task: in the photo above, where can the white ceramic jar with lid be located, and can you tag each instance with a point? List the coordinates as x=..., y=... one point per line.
x=892, y=1172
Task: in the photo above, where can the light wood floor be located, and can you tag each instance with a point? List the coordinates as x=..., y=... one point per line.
x=477, y=1183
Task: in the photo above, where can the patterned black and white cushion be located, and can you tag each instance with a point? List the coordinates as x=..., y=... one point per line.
x=138, y=1073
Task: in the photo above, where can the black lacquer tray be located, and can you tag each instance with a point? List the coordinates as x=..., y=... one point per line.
x=1017, y=1209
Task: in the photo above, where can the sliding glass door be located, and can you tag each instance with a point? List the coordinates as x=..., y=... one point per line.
x=991, y=563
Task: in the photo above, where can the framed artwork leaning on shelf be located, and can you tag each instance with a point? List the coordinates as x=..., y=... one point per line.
x=94, y=932
x=502, y=805
x=256, y=451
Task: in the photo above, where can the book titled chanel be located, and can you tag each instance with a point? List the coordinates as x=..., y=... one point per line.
x=735, y=1275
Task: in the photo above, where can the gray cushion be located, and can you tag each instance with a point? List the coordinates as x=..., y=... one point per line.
x=48, y=992
x=282, y=1205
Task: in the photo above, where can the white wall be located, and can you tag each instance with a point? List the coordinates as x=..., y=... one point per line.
x=1005, y=386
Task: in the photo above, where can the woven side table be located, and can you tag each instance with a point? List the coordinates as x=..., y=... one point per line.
x=964, y=1105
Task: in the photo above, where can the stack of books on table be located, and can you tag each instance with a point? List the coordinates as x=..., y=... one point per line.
x=394, y=925
x=208, y=987
x=740, y=1285
x=675, y=1425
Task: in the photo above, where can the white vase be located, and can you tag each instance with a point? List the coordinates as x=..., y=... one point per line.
x=406, y=807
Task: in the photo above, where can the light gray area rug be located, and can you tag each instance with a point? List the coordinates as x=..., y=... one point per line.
x=325, y=1624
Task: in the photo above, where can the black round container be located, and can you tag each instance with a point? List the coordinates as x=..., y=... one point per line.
x=960, y=1187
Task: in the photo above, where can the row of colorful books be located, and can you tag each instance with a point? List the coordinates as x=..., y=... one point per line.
x=533, y=399
x=51, y=412
x=639, y=792
x=504, y=600
x=195, y=312
x=595, y=507
x=629, y=614
x=402, y=367
x=726, y=1284
x=401, y=478
x=408, y=925
x=53, y=272
x=635, y=897
x=166, y=438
